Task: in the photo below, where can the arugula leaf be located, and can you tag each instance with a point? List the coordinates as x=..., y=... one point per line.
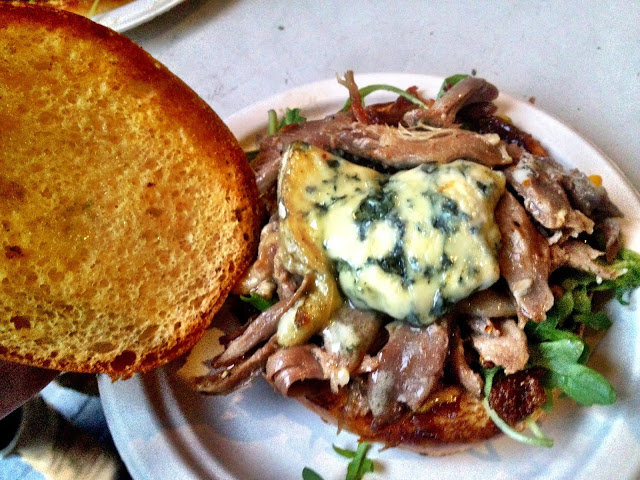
x=291, y=115
x=629, y=262
x=364, y=91
x=358, y=466
x=562, y=359
x=450, y=82
x=309, y=474
x=258, y=301
x=595, y=320
x=583, y=384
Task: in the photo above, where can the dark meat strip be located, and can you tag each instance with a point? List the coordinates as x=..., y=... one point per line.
x=480, y=118
x=291, y=365
x=226, y=380
x=286, y=282
x=335, y=361
x=508, y=349
x=411, y=363
x=487, y=303
x=590, y=199
x=468, y=378
x=524, y=259
x=357, y=109
x=262, y=328
x=392, y=113
x=316, y=132
x=341, y=358
x=577, y=254
x=613, y=241
x=398, y=148
x=534, y=179
x=259, y=278
x=443, y=112
x=515, y=397
x=389, y=146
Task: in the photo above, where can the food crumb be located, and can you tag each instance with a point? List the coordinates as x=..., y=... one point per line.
x=473, y=72
x=532, y=100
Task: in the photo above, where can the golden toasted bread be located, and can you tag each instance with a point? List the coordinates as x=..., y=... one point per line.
x=127, y=208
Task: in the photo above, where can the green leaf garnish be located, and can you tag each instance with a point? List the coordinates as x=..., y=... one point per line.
x=364, y=91
x=627, y=261
x=308, y=474
x=583, y=384
x=450, y=82
x=358, y=466
x=291, y=115
x=538, y=439
x=562, y=359
x=258, y=301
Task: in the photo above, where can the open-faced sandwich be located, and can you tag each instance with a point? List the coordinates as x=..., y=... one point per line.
x=426, y=272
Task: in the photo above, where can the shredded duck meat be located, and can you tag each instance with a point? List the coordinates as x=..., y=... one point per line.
x=387, y=379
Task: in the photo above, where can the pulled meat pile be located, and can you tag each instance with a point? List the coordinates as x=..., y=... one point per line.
x=407, y=384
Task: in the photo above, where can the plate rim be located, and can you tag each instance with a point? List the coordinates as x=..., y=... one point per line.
x=134, y=14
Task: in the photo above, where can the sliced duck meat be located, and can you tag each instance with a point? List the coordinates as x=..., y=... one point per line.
x=579, y=255
x=228, y=379
x=291, y=365
x=524, y=259
x=357, y=109
x=392, y=113
x=347, y=339
x=488, y=303
x=266, y=165
x=590, y=199
x=610, y=228
x=508, y=349
x=535, y=180
x=480, y=118
x=401, y=148
x=390, y=146
x=471, y=380
x=259, y=278
x=411, y=363
x=286, y=282
x=262, y=328
x=444, y=110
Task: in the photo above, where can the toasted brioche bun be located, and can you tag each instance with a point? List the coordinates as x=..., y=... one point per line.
x=127, y=207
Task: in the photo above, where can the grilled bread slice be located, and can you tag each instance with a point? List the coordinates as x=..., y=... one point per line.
x=127, y=207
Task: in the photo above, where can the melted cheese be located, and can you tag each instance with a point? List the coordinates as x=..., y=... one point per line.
x=409, y=244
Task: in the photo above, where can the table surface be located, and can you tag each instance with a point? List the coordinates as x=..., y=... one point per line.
x=579, y=60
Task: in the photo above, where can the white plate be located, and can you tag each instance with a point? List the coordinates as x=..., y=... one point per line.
x=134, y=13
x=164, y=431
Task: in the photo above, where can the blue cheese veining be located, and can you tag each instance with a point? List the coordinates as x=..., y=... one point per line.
x=409, y=244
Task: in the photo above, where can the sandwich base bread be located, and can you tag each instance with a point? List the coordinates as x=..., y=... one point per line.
x=127, y=208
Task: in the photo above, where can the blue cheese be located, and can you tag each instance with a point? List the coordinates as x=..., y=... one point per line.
x=409, y=244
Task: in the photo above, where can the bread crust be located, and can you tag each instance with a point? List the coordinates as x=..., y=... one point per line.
x=128, y=207
x=451, y=420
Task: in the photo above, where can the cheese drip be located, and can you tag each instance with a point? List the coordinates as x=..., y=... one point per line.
x=409, y=244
